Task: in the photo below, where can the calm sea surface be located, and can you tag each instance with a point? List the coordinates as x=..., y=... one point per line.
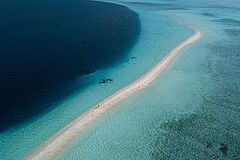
x=45, y=45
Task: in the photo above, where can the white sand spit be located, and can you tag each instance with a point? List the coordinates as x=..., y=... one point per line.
x=56, y=144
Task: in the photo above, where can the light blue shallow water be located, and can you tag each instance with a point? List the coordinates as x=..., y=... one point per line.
x=159, y=34
x=192, y=111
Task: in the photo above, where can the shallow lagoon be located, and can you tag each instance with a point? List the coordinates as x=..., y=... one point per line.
x=192, y=111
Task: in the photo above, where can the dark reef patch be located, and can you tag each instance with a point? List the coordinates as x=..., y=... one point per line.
x=224, y=149
x=209, y=15
x=228, y=21
x=107, y=80
x=232, y=50
x=45, y=45
x=233, y=33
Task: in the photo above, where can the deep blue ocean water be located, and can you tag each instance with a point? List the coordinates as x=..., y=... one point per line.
x=45, y=45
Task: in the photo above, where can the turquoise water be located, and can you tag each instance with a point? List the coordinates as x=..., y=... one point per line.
x=150, y=48
x=192, y=111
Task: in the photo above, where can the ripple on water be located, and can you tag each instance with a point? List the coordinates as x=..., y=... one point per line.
x=228, y=21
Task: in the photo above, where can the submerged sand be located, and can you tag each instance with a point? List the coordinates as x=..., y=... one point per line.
x=51, y=148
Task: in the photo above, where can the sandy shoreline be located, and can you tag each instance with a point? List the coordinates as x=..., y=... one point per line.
x=51, y=148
